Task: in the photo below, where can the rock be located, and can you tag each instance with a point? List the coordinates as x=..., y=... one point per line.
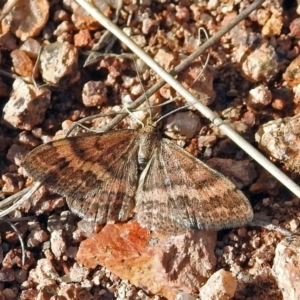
x=58, y=64
x=280, y=139
x=63, y=27
x=82, y=20
x=149, y=25
x=162, y=264
x=7, y=275
x=44, y=273
x=82, y=39
x=265, y=183
x=27, y=18
x=31, y=47
x=220, y=286
x=262, y=64
x=9, y=294
x=16, y=154
x=295, y=28
x=8, y=41
x=58, y=243
x=12, y=183
x=185, y=296
x=206, y=141
x=273, y=26
x=22, y=63
x=140, y=40
x=199, y=82
x=94, y=93
x=242, y=173
x=13, y=258
x=37, y=235
x=166, y=59
x=259, y=97
x=27, y=105
x=185, y=123
x=292, y=74
x=28, y=294
x=78, y=274
x=286, y=267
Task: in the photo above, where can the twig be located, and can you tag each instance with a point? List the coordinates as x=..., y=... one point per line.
x=29, y=192
x=168, y=77
x=8, y=201
x=19, y=236
x=182, y=66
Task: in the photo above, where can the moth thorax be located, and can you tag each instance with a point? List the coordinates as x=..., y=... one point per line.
x=145, y=150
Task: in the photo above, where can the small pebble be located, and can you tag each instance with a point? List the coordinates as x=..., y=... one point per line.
x=294, y=224
x=242, y=232
x=259, y=97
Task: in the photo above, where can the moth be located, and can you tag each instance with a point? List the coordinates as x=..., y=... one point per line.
x=114, y=176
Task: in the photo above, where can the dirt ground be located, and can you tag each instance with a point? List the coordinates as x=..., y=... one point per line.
x=250, y=79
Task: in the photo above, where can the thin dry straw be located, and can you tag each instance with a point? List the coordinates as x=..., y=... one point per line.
x=28, y=192
x=256, y=155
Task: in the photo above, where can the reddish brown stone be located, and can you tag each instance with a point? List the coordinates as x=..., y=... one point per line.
x=162, y=264
x=14, y=257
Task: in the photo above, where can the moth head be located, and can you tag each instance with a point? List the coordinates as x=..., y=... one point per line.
x=154, y=124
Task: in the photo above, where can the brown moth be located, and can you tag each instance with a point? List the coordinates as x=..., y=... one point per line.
x=109, y=177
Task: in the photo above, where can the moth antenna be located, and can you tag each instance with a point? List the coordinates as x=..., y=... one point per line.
x=177, y=109
x=133, y=117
